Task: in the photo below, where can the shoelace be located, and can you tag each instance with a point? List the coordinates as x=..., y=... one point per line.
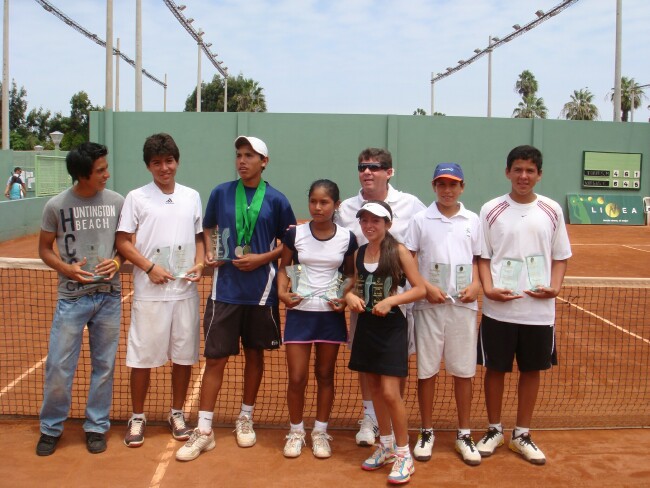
x=137, y=425
x=425, y=437
x=321, y=439
x=179, y=421
x=194, y=436
x=400, y=463
x=490, y=434
x=244, y=425
x=524, y=439
x=467, y=440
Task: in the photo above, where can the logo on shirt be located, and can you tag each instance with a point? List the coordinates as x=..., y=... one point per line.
x=169, y=201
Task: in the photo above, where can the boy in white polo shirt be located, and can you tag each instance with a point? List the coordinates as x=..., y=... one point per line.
x=523, y=261
x=447, y=240
x=167, y=255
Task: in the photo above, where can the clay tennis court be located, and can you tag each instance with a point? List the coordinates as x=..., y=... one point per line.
x=575, y=457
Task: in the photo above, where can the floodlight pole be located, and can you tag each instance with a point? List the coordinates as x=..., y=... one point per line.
x=432, y=82
x=117, y=76
x=138, y=55
x=109, y=55
x=5, y=77
x=617, y=61
x=489, y=80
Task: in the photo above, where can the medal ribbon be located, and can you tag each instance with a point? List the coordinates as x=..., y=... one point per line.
x=246, y=215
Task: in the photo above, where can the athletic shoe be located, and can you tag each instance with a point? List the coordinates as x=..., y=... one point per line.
x=402, y=470
x=368, y=431
x=47, y=445
x=245, y=433
x=293, y=446
x=320, y=444
x=492, y=439
x=524, y=445
x=195, y=445
x=424, y=445
x=466, y=448
x=381, y=457
x=180, y=430
x=135, y=432
x=95, y=442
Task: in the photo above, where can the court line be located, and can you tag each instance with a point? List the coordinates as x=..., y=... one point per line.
x=635, y=248
x=38, y=364
x=608, y=322
x=163, y=464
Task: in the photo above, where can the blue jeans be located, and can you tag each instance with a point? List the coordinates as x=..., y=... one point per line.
x=101, y=312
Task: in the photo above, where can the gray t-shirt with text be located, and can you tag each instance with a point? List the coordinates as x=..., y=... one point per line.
x=84, y=227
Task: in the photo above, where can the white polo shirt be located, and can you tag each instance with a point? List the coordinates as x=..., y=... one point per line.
x=404, y=206
x=513, y=232
x=444, y=241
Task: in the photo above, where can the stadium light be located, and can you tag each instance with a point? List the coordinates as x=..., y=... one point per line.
x=56, y=137
x=539, y=13
x=516, y=27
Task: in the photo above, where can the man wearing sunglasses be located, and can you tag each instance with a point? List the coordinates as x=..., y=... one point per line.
x=375, y=168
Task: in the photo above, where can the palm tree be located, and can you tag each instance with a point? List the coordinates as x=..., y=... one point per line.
x=580, y=107
x=530, y=107
x=526, y=85
x=629, y=91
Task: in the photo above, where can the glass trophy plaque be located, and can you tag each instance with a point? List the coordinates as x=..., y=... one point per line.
x=94, y=254
x=509, y=274
x=334, y=288
x=536, y=272
x=439, y=276
x=182, y=260
x=160, y=257
x=299, y=280
x=463, y=277
x=220, y=244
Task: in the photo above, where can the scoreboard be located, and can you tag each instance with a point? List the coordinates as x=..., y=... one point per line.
x=609, y=170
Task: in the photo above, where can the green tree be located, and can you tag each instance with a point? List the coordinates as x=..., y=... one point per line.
x=526, y=84
x=630, y=91
x=580, y=107
x=531, y=107
x=244, y=95
x=419, y=111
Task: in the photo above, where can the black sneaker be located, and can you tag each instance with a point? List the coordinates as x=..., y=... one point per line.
x=95, y=442
x=46, y=445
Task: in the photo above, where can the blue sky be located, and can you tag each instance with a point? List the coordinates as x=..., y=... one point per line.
x=337, y=56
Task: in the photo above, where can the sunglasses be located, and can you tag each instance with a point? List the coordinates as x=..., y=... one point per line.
x=373, y=167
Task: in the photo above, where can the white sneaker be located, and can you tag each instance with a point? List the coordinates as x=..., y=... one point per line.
x=367, y=432
x=402, y=470
x=525, y=446
x=467, y=449
x=244, y=431
x=320, y=444
x=424, y=445
x=293, y=446
x=492, y=439
x=381, y=457
x=195, y=445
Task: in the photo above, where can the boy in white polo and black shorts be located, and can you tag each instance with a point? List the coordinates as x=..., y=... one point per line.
x=523, y=262
x=447, y=239
x=167, y=256
x=249, y=216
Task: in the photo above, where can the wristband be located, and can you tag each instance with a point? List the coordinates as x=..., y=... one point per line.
x=202, y=265
x=150, y=268
x=117, y=265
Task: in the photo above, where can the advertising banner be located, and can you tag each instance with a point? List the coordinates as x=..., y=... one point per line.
x=605, y=209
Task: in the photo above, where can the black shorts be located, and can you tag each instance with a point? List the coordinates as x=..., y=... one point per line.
x=224, y=323
x=500, y=342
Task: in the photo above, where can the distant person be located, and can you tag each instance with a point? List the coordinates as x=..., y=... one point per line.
x=160, y=233
x=447, y=240
x=375, y=168
x=82, y=221
x=250, y=216
x=16, y=188
x=324, y=254
x=380, y=346
x=522, y=266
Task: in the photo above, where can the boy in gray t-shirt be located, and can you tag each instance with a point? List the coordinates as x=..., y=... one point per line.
x=82, y=221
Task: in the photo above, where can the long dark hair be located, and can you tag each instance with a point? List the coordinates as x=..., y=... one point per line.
x=389, y=265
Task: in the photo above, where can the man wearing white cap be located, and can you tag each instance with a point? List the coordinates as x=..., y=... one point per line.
x=375, y=166
x=243, y=221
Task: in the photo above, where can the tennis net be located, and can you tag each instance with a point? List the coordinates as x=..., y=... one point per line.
x=602, y=335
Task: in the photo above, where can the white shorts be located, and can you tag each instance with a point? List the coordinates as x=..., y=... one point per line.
x=161, y=331
x=409, y=322
x=447, y=331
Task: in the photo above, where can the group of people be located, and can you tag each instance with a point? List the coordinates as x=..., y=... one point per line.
x=410, y=276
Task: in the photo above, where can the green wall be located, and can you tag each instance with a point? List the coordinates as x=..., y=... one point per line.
x=305, y=147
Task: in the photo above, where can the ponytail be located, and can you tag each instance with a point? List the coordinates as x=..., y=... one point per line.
x=389, y=265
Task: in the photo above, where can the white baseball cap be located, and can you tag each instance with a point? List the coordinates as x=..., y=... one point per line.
x=376, y=209
x=258, y=145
